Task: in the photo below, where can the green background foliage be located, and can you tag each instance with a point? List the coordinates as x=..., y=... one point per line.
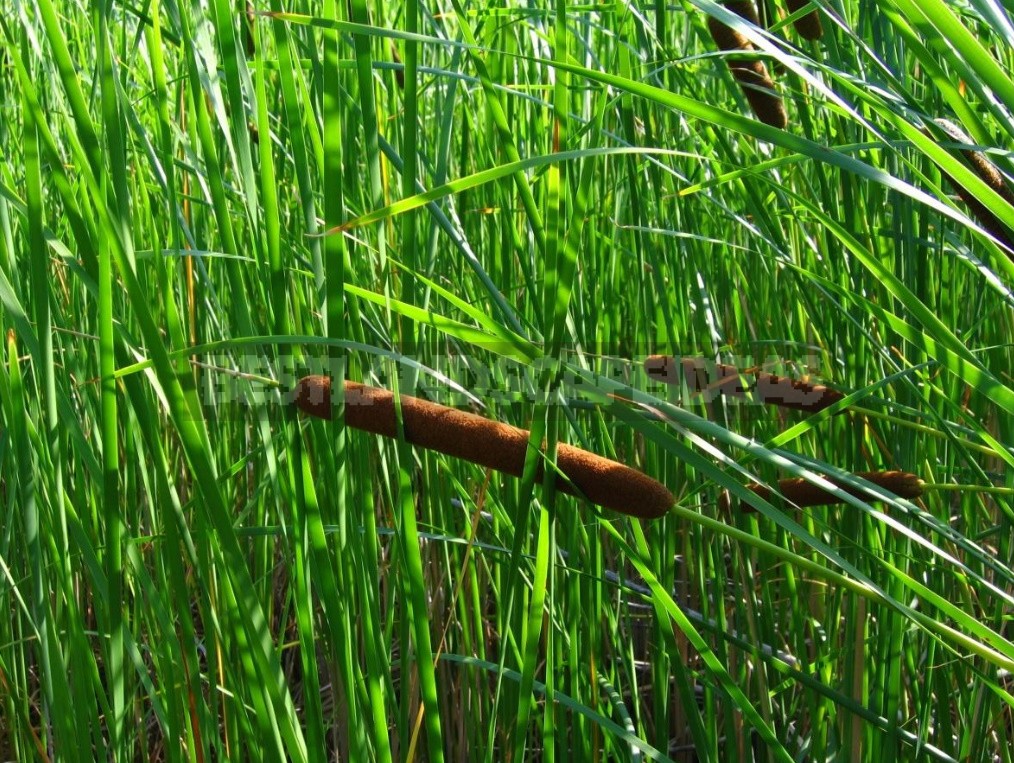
x=502, y=206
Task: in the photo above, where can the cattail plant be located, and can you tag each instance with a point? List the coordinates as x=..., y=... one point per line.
x=251, y=19
x=720, y=378
x=990, y=175
x=399, y=73
x=808, y=25
x=803, y=493
x=488, y=443
x=752, y=75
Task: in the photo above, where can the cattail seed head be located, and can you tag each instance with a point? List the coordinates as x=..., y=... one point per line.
x=989, y=174
x=719, y=378
x=488, y=443
x=752, y=75
x=745, y=9
x=807, y=26
x=399, y=73
x=251, y=19
x=803, y=493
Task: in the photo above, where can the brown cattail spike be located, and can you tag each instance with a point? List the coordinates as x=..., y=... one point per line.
x=808, y=25
x=989, y=174
x=745, y=9
x=719, y=378
x=251, y=19
x=752, y=75
x=487, y=443
x=803, y=493
x=399, y=73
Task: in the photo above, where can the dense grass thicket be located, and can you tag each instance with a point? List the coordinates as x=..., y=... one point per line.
x=504, y=207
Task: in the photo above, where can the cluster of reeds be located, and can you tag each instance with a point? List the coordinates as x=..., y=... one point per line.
x=759, y=90
x=503, y=447
x=700, y=376
x=990, y=175
x=488, y=443
x=720, y=378
x=751, y=73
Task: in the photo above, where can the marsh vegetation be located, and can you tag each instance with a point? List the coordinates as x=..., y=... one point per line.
x=506, y=209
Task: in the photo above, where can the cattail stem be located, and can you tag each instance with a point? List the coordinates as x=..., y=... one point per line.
x=720, y=378
x=488, y=443
x=954, y=487
x=752, y=75
x=923, y=429
x=804, y=493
